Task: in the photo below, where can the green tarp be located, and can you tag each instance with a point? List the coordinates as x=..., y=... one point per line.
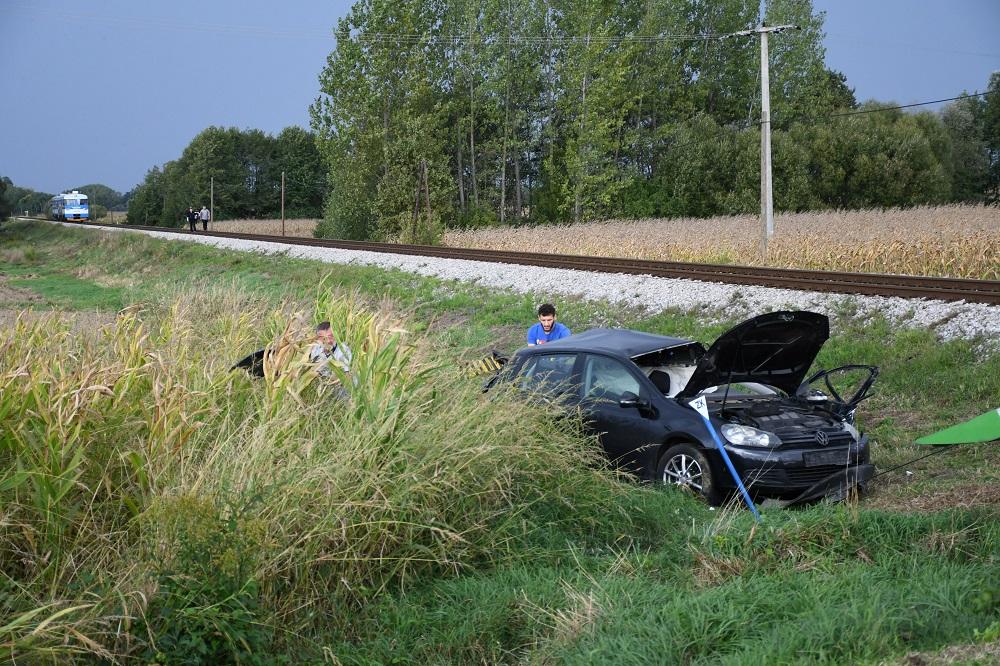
x=983, y=428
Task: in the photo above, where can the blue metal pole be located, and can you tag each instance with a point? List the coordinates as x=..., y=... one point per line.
x=725, y=456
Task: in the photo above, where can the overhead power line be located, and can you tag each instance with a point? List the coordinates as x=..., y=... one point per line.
x=810, y=120
x=910, y=106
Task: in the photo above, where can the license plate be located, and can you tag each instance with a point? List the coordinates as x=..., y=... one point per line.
x=817, y=458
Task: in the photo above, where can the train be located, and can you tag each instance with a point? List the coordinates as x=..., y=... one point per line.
x=71, y=206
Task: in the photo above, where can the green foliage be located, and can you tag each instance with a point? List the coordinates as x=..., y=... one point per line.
x=538, y=112
x=103, y=196
x=6, y=206
x=991, y=136
x=206, y=607
x=246, y=166
x=67, y=291
x=19, y=199
x=14, y=199
x=145, y=206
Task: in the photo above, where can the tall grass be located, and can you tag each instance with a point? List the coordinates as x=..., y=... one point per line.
x=954, y=240
x=158, y=505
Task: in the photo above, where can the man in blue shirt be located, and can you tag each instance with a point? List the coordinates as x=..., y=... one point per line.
x=547, y=329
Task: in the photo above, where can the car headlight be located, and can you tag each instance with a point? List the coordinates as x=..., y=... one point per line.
x=742, y=435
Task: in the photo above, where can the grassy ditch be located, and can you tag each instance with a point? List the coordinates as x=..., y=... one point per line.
x=158, y=508
x=158, y=505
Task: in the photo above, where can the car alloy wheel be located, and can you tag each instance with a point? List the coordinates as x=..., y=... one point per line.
x=686, y=466
x=683, y=470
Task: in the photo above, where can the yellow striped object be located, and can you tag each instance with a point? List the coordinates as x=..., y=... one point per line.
x=486, y=365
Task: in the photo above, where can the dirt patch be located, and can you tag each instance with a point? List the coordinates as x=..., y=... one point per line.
x=446, y=320
x=10, y=295
x=96, y=276
x=985, y=653
x=963, y=496
x=508, y=339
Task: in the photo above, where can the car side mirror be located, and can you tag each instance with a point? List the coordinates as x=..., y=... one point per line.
x=630, y=399
x=644, y=406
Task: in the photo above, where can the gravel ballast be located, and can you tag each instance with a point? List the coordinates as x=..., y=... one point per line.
x=949, y=320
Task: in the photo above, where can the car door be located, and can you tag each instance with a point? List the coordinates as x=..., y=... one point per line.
x=551, y=377
x=624, y=431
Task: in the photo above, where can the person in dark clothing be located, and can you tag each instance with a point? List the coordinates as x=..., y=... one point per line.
x=192, y=218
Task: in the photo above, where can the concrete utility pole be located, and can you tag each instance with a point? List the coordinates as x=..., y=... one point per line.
x=282, y=203
x=211, y=202
x=766, y=194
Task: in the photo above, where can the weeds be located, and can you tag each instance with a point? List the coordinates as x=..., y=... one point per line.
x=145, y=482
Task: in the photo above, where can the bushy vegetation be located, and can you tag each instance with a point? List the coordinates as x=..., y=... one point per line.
x=461, y=115
x=161, y=509
x=246, y=166
x=16, y=200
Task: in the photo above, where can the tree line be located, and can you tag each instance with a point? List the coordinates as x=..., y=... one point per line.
x=16, y=200
x=462, y=113
x=246, y=166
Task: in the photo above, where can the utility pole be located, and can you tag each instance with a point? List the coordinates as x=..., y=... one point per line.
x=282, y=203
x=766, y=193
x=211, y=202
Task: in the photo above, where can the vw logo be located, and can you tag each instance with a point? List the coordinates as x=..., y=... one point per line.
x=822, y=438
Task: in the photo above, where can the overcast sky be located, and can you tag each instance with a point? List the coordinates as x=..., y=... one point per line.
x=100, y=91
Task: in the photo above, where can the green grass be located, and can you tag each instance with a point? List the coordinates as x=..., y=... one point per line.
x=416, y=522
x=69, y=293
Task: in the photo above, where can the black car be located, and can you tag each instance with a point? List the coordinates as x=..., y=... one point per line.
x=785, y=435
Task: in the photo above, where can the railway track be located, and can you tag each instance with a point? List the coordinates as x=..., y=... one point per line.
x=868, y=284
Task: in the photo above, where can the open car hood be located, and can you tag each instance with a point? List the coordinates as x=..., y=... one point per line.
x=775, y=349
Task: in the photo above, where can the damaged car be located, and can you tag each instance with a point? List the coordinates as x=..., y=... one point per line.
x=787, y=435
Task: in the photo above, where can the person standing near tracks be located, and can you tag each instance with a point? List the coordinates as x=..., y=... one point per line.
x=205, y=215
x=192, y=218
x=547, y=329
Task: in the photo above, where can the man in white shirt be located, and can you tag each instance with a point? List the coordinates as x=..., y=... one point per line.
x=327, y=350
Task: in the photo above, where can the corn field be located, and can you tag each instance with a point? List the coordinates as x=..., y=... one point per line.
x=958, y=241
x=300, y=228
x=955, y=241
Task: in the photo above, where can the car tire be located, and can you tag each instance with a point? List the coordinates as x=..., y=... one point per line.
x=686, y=466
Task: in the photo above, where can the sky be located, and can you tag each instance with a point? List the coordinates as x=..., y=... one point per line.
x=100, y=91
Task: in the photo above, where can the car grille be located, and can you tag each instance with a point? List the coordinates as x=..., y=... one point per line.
x=801, y=477
x=797, y=438
x=800, y=431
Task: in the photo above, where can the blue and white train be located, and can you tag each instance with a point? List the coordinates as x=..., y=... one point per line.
x=70, y=206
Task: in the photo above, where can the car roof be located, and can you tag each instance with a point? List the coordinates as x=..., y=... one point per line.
x=614, y=340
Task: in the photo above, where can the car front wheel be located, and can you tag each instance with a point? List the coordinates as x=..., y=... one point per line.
x=684, y=465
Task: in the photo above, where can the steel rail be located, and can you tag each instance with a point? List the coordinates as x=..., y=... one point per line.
x=869, y=284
